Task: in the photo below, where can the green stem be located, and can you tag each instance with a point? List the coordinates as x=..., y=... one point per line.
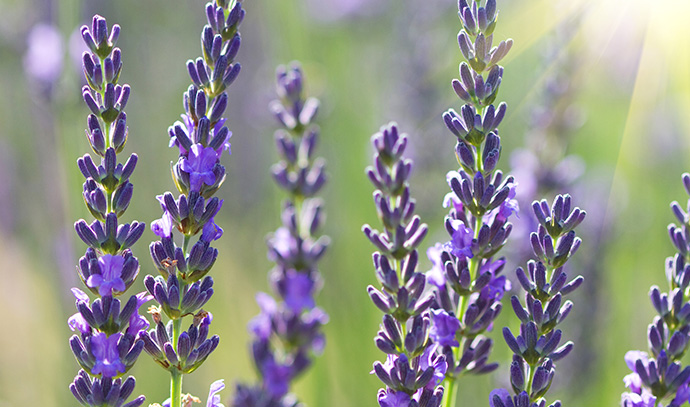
x=175, y=374
x=449, y=395
x=175, y=388
x=530, y=379
x=185, y=244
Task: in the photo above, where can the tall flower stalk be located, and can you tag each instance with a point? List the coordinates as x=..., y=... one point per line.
x=536, y=348
x=658, y=376
x=106, y=344
x=183, y=287
x=465, y=272
x=288, y=331
x=413, y=369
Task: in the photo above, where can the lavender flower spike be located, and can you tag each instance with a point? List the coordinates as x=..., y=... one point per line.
x=294, y=317
x=200, y=138
x=466, y=276
x=546, y=284
x=105, y=344
x=413, y=369
x=657, y=375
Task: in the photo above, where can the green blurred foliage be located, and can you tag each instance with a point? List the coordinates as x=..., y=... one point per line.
x=395, y=63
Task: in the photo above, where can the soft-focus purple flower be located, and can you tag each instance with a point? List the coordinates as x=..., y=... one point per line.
x=110, y=278
x=226, y=145
x=163, y=227
x=633, y=382
x=390, y=398
x=276, y=377
x=107, y=356
x=213, y=397
x=510, y=205
x=282, y=242
x=461, y=241
x=436, y=275
x=206, y=321
x=502, y=394
x=45, y=54
x=682, y=395
x=187, y=124
x=430, y=358
x=632, y=356
x=77, y=321
x=260, y=325
x=450, y=175
x=645, y=399
x=138, y=323
x=211, y=231
x=299, y=288
x=80, y=295
x=443, y=328
x=497, y=287
x=451, y=200
x=199, y=165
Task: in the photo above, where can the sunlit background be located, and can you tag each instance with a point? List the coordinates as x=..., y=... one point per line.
x=627, y=68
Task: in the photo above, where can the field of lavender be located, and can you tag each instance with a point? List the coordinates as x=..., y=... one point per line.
x=267, y=281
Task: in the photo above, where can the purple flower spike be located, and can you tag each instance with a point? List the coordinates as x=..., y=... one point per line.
x=199, y=165
x=109, y=281
x=461, y=240
x=107, y=345
x=407, y=324
x=659, y=372
x=107, y=356
x=292, y=317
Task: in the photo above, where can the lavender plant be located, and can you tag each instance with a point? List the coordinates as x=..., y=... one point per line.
x=413, y=368
x=288, y=331
x=465, y=273
x=546, y=284
x=546, y=167
x=183, y=287
x=658, y=376
x=106, y=344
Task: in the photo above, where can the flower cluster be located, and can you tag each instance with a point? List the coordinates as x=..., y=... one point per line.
x=183, y=287
x=413, y=369
x=288, y=331
x=106, y=343
x=536, y=348
x=658, y=376
x=465, y=273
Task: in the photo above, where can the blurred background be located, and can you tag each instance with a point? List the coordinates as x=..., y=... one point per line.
x=604, y=84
